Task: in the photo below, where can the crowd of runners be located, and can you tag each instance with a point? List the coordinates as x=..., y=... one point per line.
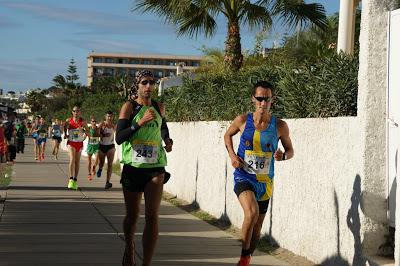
x=142, y=131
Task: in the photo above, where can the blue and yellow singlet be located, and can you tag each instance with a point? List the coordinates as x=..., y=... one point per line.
x=257, y=149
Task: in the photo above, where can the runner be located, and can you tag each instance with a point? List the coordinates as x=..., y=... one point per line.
x=141, y=128
x=42, y=137
x=33, y=132
x=74, y=129
x=107, y=147
x=254, y=163
x=55, y=133
x=93, y=147
x=21, y=132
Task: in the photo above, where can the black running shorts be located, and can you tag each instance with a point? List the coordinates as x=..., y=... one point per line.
x=135, y=179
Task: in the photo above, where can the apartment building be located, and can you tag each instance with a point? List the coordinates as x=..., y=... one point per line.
x=112, y=64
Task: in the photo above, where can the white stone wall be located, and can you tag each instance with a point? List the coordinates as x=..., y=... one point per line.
x=314, y=212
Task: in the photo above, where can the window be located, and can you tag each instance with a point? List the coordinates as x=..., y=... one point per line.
x=171, y=73
x=97, y=71
x=158, y=73
x=195, y=63
x=97, y=60
x=109, y=71
x=132, y=72
x=158, y=62
x=110, y=60
x=121, y=71
x=134, y=61
x=170, y=63
x=146, y=62
x=122, y=61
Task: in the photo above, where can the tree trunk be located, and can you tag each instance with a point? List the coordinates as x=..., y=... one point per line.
x=233, y=49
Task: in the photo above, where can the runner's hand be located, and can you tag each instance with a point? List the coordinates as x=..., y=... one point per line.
x=278, y=155
x=237, y=162
x=148, y=116
x=168, y=145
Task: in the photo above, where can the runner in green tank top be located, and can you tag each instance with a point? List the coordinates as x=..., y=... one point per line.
x=92, y=148
x=141, y=129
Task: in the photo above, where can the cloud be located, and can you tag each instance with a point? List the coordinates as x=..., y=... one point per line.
x=104, y=45
x=91, y=22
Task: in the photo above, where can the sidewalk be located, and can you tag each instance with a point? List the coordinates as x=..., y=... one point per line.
x=44, y=223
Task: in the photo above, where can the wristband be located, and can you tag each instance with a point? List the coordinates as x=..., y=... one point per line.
x=284, y=156
x=135, y=127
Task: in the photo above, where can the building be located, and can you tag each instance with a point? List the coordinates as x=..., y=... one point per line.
x=112, y=64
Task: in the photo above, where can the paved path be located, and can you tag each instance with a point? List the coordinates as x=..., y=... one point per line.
x=43, y=223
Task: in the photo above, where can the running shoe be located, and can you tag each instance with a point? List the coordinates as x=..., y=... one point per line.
x=108, y=185
x=99, y=172
x=89, y=177
x=244, y=261
x=71, y=184
x=36, y=158
x=75, y=185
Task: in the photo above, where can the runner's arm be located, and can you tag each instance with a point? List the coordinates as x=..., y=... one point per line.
x=283, y=130
x=233, y=129
x=125, y=128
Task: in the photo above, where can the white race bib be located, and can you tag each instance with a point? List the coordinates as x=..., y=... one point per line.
x=257, y=162
x=144, y=152
x=75, y=135
x=94, y=140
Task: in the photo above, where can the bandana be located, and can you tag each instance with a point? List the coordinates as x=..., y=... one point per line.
x=138, y=77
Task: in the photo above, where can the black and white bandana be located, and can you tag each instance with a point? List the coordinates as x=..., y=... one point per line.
x=138, y=77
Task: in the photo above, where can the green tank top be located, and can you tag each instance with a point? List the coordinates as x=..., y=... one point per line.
x=93, y=140
x=144, y=149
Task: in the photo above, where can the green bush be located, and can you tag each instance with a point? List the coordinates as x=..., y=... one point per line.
x=323, y=89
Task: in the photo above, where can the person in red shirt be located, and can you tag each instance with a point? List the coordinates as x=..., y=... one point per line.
x=3, y=144
x=74, y=130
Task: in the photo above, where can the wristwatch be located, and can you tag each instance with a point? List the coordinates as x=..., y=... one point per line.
x=284, y=156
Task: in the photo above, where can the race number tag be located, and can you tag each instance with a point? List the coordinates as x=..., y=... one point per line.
x=42, y=135
x=75, y=135
x=57, y=132
x=94, y=140
x=144, y=152
x=257, y=162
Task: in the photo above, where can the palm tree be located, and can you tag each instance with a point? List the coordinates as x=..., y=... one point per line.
x=194, y=16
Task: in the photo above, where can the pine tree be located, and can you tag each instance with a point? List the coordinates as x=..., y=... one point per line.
x=72, y=77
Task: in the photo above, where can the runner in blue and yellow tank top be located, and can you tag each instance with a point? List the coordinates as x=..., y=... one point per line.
x=254, y=163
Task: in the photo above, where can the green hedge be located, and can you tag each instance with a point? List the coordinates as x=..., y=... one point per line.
x=324, y=89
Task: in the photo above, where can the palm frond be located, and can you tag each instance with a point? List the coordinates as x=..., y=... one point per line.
x=255, y=15
x=294, y=13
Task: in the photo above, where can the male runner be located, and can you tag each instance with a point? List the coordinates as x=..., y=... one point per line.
x=55, y=133
x=141, y=128
x=107, y=147
x=74, y=130
x=93, y=147
x=254, y=162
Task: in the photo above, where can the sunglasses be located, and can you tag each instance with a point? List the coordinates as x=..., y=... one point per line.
x=145, y=82
x=266, y=99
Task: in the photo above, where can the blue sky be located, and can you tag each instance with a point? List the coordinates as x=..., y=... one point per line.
x=39, y=37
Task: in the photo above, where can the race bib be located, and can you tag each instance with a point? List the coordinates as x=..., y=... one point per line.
x=145, y=152
x=75, y=135
x=42, y=135
x=57, y=132
x=94, y=140
x=257, y=162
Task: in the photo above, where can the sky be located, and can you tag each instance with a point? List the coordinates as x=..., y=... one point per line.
x=38, y=38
